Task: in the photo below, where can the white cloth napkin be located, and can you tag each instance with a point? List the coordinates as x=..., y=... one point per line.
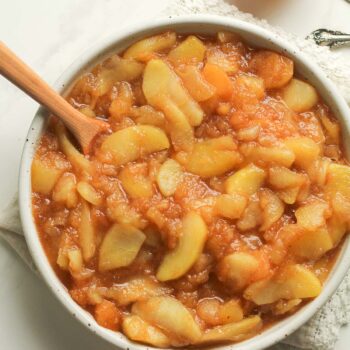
x=322, y=331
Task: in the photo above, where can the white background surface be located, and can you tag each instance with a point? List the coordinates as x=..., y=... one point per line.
x=49, y=35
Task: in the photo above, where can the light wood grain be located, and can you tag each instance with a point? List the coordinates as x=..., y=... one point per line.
x=83, y=128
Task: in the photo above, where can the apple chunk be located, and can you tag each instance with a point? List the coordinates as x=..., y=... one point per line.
x=292, y=282
x=236, y=331
x=120, y=246
x=161, y=84
x=178, y=261
x=171, y=316
x=131, y=143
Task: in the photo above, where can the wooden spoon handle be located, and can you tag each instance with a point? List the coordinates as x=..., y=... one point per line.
x=15, y=70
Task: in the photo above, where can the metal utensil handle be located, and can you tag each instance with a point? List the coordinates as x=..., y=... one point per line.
x=331, y=38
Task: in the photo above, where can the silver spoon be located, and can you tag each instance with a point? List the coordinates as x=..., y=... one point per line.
x=331, y=38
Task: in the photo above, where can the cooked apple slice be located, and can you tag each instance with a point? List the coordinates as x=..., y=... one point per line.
x=77, y=159
x=337, y=229
x=305, y=150
x=44, y=176
x=139, y=330
x=312, y=244
x=191, y=50
x=178, y=261
x=213, y=312
x=169, y=176
x=338, y=180
x=87, y=234
x=120, y=246
x=251, y=217
x=136, y=182
x=272, y=208
x=312, y=216
x=195, y=83
x=131, y=143
x=299, y=96
x=143, y=49
x=171, y=316
x=233, y=332
x=116, y=69
x=135, y=289
x=230, y=206
x=271, y=155
x=245, y=181
x=237, y=269
x=147, y=115
x=161, y=85
x=213, y=157
x=65, y=191
x=292, y=282
x=89, y=193
x=281, y=178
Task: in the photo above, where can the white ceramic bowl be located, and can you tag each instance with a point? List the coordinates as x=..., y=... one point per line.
x=204, y=24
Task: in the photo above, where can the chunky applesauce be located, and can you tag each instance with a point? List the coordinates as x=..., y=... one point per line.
x=214, y=205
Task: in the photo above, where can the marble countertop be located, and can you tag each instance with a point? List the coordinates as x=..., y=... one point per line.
x=49, y=35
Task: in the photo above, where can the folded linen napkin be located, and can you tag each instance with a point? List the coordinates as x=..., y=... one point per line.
x=322, y=331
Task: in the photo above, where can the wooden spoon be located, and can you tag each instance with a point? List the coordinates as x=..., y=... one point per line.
x=85, y=129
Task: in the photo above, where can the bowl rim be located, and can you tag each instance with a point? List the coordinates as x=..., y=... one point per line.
x=128, y=34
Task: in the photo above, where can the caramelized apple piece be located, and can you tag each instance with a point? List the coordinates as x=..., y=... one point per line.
x=245, y=181
x=87, y=235
x=299, y=96
x=107, y=315
x=271, y=155
x=292, y=282
x=332, y=128
x=191, y=50
x=228, y=63
x=252, y=216
x=122, y=104
x=147, y=115
x=237, y=269
x=275, y=69
x=142, y=50
x=77, y=159
x=230, y=206
x=312, y=244
x=44, y=176
x=131, y=143
x=161, y=84
x=139, y=330
x=114, y=70
x=89, y=193
x=169, y=176
x=338, y=180
x=289, y=195
x=233, y=332
x=283, y=307
x=336, y=229
x=215, y=313
x=195, y=83
x=120, y=246
x=65, y=190
x=281, y=178
x=217, y=77
x=272, y=208
x=213, y=157
x=179, y=260
x=135, y=289
x=157, y=312
x=136, y=181
x=312, y=216
x=305, y=150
